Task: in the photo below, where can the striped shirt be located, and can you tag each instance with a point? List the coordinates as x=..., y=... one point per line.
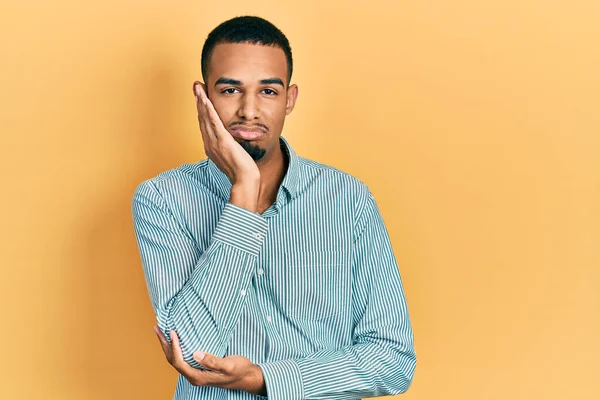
x=309, y=290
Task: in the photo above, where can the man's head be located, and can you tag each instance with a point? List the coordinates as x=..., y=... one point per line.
x=247, y=67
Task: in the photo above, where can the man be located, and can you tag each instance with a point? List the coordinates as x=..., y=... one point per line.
x=270, y=274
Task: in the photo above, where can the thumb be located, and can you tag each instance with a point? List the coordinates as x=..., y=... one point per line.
x=207, y=360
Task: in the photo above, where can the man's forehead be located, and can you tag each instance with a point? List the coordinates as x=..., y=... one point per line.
x=247, y=62
x=231, y=81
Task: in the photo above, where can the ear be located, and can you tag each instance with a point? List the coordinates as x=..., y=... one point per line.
x=291, y=96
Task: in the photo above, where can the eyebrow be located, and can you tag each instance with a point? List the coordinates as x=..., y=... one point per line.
x=272, y=81
x=229, y=81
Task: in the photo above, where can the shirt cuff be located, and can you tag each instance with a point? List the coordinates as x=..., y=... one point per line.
x=241, y=228
x=282, y=380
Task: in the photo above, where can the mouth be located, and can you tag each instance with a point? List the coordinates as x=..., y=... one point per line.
x=248, y=133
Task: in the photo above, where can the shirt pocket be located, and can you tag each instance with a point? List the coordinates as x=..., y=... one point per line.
x=313, y=285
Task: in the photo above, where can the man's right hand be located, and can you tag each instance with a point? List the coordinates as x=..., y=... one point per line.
x=227, y=154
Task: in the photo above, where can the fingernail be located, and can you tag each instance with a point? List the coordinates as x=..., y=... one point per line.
x=198, y=90
x=199, y=355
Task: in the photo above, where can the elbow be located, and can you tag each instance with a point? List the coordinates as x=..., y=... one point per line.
x=400, y=374
x=164, y=318
x=406, y=375
x=405, y=372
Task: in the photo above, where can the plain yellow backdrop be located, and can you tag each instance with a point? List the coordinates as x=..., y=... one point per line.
x=475, y=123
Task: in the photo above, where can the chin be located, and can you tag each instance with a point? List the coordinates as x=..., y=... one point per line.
x=253, y=149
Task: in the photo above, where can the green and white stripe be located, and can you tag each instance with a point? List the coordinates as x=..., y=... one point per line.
x=309, y=290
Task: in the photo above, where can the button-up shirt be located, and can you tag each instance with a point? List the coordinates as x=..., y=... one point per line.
x=309, y=290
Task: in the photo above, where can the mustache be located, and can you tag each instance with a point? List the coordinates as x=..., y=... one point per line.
x=249, y=126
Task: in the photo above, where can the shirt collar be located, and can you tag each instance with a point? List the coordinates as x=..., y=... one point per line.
x=290, y=182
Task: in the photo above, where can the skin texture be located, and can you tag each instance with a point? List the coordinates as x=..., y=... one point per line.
x=246, y=89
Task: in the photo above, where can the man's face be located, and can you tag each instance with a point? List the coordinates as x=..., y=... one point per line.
x=247, y=84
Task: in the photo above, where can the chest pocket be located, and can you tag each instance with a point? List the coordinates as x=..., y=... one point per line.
x=313, y=285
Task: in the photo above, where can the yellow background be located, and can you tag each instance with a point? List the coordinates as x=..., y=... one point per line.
x=475, y=123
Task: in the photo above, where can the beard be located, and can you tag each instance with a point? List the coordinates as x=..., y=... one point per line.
x=253, y=150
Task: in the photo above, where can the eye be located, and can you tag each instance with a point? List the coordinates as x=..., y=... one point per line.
x=229, y=91
x=269, y=92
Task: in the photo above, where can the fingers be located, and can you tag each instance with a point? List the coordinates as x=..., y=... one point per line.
x=215, y=375
x=200, y=92
x=200, y=104
x=207, y=111
x=175, y=347
x=163, y=342
x=161, y=337
x=205, y=119
x=215, y=121
x=177, y=357
x=211, y=362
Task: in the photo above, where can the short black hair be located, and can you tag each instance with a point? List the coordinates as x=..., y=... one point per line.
x=246, y=29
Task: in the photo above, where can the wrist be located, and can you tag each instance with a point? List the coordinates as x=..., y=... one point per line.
x=257, y=381
x=247, y=178
x=245, y=195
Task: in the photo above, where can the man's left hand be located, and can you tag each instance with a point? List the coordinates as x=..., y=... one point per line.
x=233, y=372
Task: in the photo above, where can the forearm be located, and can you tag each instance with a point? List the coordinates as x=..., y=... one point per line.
x=197, y=293
x=206, y=309
x=352, y=372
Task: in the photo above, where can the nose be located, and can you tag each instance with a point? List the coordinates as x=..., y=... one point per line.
x=248, y=107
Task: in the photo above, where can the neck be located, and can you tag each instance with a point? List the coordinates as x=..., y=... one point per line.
x=272, y=172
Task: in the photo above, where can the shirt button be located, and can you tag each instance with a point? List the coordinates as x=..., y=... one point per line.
x=269, y=318
x=258, y=236
x=261, y=271
x=243, y=292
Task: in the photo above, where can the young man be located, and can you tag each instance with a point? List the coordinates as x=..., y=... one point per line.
x=270, y=274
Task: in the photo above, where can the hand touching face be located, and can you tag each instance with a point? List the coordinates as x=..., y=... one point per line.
x=219, y=145
x=247, y=85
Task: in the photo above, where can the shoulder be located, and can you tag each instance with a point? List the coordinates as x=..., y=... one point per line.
x=317, y=173
x=173, y=180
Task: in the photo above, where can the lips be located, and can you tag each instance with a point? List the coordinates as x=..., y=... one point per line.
x=248, y=133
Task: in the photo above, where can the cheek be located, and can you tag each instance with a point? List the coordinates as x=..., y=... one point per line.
x=226, y=110
x=274, y=118
x=276, y=112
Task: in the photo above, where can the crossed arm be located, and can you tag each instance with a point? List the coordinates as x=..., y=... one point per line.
x=188, y=296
